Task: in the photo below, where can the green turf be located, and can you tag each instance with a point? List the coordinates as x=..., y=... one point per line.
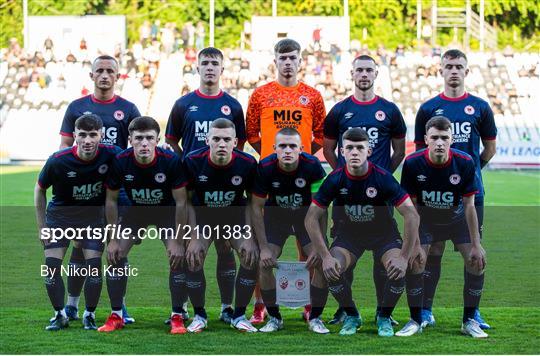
x=510, y=301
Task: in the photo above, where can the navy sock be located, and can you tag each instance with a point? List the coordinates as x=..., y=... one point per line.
x=54, y=282
x=341, y=290
x=75, y=283
x=117, y=283
x=269, y=298
x=392, y=291
x=177, y=287
x=226, y=275
x=93, y=285
x=245, y=285
x=196, y=287
x=415, y=292
x=319, y=296
x=379, y=280
x=472, y=292
x=432, y=273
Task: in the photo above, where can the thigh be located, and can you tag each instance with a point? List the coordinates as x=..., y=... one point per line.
x=345, y=257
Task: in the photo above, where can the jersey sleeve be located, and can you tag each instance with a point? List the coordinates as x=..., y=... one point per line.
x=394, y=193
x=406, y=182
x=46, y=176
x=319, y=113
x=252, y=173
x=253, y=118
x=178, y=174
x=114, y=178
x=331, y=123
x=326, y=193
x=68, y=123
x=238, y=119
x=420, y=126
x=398, y=128
x=175, y=122
x=133, y=113
x=260, y=186
x=470, y=181
x=488, y=130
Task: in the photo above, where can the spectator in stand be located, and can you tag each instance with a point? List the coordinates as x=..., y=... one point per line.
x=144, y=33
x=199, y=36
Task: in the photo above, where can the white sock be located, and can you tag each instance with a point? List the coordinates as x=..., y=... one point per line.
x=73, y=301
x=87, y=313
x=118, y=312
x=173, y=314
x=62, y=312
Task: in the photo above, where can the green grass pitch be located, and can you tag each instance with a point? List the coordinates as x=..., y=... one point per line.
x=510, y=302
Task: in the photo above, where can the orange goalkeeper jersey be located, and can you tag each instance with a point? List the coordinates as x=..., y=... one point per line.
x=272, y=107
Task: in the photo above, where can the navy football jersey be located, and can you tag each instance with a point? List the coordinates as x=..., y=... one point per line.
x=116, y=115
x=362, y=204
x=471, y=118
x=76, y=183
x=439, y=189
x=290, y=190
x=193, y=113
x=379, y=117
x=216, y=186
x=149, y=184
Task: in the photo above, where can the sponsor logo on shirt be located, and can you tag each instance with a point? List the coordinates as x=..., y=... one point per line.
x=71, y=174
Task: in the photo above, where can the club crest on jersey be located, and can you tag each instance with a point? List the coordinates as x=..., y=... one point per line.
x=226, y=110
x=300, y=182
x=283, y=282
x=71, y=174
x=275, y=184
x=300, y=284
x=421, y=178
x=371, y=192
x=304, y=100
x=119, y=115
x=348, y=115
x=469, y=110
x=160, y=177
x=236, y=180
x=455, y=179
x=129, y=178
x=344, y=191
x=380, y=115
x=103, y=169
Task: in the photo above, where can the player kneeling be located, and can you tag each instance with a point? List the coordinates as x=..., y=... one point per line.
x=442, y=183
x=154, y=183
x=283, y=187
x=77, y=175
x=363, y=194
x=218, y=176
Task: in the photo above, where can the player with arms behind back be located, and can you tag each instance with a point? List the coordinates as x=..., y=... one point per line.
x=472, y=121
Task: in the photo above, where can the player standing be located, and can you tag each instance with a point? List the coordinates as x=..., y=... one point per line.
x=155, y=185
x=189, y=121
x=363, y=194
x=76, y=175
x=285, y=102
x=283, y=188
x=386, y=129
x=116, y=114
x=472, y=121
x=442, y=183
x=219, y=175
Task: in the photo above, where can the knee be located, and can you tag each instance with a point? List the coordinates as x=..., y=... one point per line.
x=436, y=249
x=418, y=267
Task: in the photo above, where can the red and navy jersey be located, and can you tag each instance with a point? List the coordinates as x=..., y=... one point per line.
x=216, y=186
x=471, y=118
x=193, y=113
x=439, y=189
x=289, y=190
x=147, y=184
x=116, y=115
x=381, y=119
x=362, y=203
x=76, y=183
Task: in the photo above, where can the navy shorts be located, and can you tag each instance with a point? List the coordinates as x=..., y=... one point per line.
x=150, y=222
x=379, y=246
x=279, y=226
x=221, y=223
x=458, y=233
x=86, y=242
